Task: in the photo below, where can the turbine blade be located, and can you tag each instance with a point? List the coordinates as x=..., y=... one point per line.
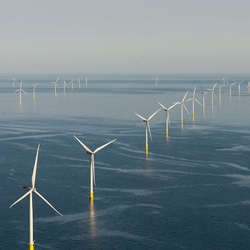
x=33, y=179
x=84, y=146
x=22, y=197
x=149, y=131
x=190, y=99
x=144, y=119
x=185, y=108
x=47, y=202
x=198, y=102
x=173, y=105
x=162, y=106
x=150, y=117
x=184, y=97
x=103, y=146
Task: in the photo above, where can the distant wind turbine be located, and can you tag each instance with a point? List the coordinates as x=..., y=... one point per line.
x=32, y=190
x=156, y=81
x=212, y=95
x=86, y=82
x=146, y=120
x=230, y=88
x=20, y=91
x=92, y=163
x=203, y=93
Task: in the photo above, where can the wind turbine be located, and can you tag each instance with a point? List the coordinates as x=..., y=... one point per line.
x=167, y=109
x=193, y=99
x=34, y=92
x=79, y=83
x=64, y=87
x=203, y=93
x=239, y=83
x=248, y=87
x=212, y=95
x=183, y=106
x=230, y=88
x=32, y=190
x=156, y=81
x=72, y=84
x=146, y=120
x=220, y=87
x=20, y=92
x=92, y=163
x=86, y=82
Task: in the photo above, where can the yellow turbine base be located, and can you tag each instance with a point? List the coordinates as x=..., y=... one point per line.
x=31, y=246
x=146, y=149
x=181, y=122
x=166, y=132
x=91, y=196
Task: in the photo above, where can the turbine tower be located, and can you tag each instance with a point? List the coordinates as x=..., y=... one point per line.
x=32, y=190
x=92, y=163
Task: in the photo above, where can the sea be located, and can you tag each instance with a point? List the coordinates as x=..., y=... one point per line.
x=191, y=192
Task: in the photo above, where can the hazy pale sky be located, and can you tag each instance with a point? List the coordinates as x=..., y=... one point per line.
x=134, y=36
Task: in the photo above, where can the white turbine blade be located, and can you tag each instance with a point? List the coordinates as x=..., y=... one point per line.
x=144, y=119
x=173, y=105
x=214, y=86
x=47, y=202
x=162, y=106
x=194, y=92
x=184, y=97
x=198, y=102
x=149, y=131
x=190, y=99
x=22, y=197
x=103, y=146
x=150, y=117
x=84, y=146
x=33, y=179
x=185, y=108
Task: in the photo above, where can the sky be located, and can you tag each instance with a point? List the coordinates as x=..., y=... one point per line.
x=132, y=36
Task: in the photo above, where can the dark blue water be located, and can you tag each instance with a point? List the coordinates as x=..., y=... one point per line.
x=192, y=192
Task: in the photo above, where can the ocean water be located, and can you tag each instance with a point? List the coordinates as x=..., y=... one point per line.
x=191, y=192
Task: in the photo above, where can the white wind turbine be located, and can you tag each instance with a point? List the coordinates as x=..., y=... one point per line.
x=248, y=87
x=230, y=88
x=72, y=84
x=86, y=82
x=146, y=120
x=92, y=163
x=203, y=94
x=167, y=109
x=239, y=83
x=34, y=92
x=64, y=87
x=212, y=96
x=32, y=190
x=193, y=99
x=20, y=91
x=220, y=87
x=183, y=106
x=156, y=81
x=79, y=83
